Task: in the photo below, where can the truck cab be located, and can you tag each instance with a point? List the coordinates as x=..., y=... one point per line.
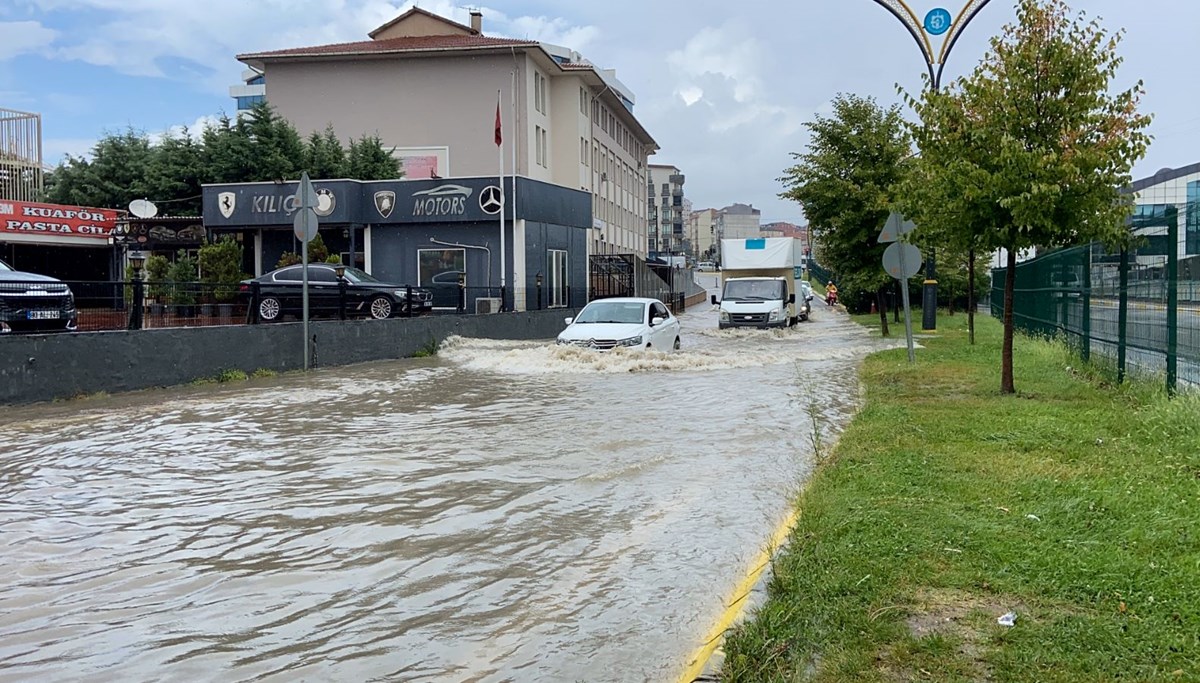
x=760, y=302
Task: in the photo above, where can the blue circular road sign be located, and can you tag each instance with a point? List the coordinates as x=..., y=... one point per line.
x=938, y=21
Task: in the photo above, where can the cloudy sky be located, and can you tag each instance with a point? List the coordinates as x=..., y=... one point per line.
x=724, y=87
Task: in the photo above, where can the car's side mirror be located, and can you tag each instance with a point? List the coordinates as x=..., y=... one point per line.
x=809, y=297
x=568, y=320
x=714, y=299
x=791, y=298
x=656, y=321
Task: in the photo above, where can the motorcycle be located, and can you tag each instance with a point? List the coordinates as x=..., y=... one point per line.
x=830, y=298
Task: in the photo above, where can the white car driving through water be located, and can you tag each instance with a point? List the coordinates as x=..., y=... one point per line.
x=631, y=323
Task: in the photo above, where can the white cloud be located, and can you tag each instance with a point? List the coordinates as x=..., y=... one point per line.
x=21, y=37
x=195, y=129
x=55, y=150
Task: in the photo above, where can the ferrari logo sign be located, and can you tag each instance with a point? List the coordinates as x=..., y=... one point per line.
x=226, y=201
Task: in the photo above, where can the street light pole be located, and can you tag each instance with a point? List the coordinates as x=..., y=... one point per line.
x=937, y=22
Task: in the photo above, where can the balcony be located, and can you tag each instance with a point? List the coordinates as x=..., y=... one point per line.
x=676, y=179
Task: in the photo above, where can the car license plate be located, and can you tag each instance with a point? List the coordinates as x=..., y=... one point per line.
x=42, y=315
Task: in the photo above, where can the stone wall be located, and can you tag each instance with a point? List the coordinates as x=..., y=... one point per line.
x=45, y=367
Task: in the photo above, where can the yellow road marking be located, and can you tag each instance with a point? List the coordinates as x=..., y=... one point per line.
x=737, y=600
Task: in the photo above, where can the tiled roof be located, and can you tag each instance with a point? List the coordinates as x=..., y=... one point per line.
x=409, y=44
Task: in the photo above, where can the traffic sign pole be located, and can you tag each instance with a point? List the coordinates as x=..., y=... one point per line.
x=306, y=226
x=901, y=260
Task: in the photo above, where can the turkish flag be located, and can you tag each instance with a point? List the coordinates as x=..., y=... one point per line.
x=498, y=138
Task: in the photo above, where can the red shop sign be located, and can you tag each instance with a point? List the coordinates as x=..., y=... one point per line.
x=30, y=218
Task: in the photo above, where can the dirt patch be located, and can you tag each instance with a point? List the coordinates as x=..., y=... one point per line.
x=963, y=618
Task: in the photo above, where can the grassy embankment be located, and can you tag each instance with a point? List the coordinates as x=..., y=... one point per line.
x=1075, y=504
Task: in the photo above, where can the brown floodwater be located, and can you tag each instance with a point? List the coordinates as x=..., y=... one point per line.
x=501, y=512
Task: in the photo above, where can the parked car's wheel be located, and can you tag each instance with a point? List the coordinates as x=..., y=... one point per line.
x=381, y=307
x=677, y=344
x=270, y=309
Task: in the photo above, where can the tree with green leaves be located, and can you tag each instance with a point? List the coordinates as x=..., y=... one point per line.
x=278, y=149
x=844, y=182
x=369, y=160
x=226, y=152
x=1031, y=149
x=175, y=173
x=113, y=176
x=324, y=155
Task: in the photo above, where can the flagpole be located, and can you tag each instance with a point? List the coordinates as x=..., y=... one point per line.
x=500, y=151
x=515, y=139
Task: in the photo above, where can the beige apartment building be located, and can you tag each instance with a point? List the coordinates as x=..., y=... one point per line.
x=703, y=226
x=428, y=86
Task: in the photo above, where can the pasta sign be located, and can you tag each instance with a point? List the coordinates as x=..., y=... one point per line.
x=52, y=219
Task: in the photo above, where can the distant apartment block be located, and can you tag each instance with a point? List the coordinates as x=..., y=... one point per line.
x=667, y=210
x=428, y=86
x=704, y=226
x=740, y=221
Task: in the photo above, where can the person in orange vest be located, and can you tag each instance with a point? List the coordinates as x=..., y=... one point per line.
x=830, y=294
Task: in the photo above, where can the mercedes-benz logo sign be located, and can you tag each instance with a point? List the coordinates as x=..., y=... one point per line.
x=491, y=199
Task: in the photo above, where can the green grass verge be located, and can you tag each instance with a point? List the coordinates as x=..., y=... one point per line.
x=1074, y=503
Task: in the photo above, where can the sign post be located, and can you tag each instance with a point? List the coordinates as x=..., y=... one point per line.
x=305, y=227
x=901, y=260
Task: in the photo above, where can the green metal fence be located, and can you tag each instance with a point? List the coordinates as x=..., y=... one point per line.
x=1138, y=308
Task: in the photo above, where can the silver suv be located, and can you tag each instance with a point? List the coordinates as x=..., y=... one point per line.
x=34, y=303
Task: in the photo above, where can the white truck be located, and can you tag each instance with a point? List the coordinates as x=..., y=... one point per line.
x=758, y=283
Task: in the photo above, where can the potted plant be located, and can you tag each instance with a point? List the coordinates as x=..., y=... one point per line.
x=181, y=285
x=221, y=271
x=156, y=277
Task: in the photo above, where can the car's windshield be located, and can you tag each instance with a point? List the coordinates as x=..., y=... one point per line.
x=755, y=290
x=613, y=312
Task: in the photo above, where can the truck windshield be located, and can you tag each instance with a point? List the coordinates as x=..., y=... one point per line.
x=753, y=290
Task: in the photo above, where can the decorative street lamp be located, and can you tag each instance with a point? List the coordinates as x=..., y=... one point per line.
x=339, y=271
x=538, y=279
x=137, y=260
x=938, y=22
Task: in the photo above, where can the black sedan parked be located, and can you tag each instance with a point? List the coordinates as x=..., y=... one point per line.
x=281, y=293
x=34, y=303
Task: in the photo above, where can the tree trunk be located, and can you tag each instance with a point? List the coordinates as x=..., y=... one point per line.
x=1006, y=354
x=949, y=297
x=971, y=295
x=880, y=305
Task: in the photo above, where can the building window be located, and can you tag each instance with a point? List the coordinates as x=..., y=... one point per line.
x=247, y=101
x=583, y=100
x=540, y=154
x=545, y=149
x=539, y=92
x=558, y=280
x=438, y=270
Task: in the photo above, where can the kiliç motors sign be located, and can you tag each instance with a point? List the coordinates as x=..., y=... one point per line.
x=30, y=218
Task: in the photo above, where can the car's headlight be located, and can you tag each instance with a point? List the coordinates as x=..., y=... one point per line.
x=632, y=341
x=775, y=314
x=724, y=316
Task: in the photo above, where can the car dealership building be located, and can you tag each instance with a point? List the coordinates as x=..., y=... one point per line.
x=426, y=233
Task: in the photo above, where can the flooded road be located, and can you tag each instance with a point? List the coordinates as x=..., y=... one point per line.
x=501, y=512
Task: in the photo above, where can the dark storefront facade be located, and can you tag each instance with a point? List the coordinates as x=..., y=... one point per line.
x=67, y=242
x=425, y=232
